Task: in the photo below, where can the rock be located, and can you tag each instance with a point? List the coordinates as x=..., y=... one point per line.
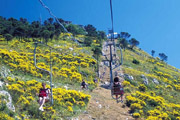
x=128, y=77
x=156, y=81
x=145, y=80
x=85, y=112
x=106, y=83
x=9, y=102
x=120, y=74
x=4, y=72
x=100, y=106
x=74, y=54
x=66, y=87
x=71, y=49
x=90, y=116
x=1, y=84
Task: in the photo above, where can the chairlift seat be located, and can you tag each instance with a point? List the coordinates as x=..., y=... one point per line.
x=117, y=90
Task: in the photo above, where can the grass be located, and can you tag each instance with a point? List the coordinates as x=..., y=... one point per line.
x=59, y=82
x=149, y=69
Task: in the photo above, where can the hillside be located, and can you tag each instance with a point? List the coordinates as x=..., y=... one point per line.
x=151, y=85
x=22, y=80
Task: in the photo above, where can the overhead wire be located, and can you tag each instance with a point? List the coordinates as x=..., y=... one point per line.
x=112, y=40
x=50, y=12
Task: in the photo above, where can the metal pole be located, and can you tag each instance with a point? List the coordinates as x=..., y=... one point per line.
x=110, y=66
x=51, y=79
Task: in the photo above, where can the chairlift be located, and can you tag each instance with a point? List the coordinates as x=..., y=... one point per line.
x=49, y=72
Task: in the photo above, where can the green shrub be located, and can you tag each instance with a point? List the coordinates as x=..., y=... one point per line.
x=142, y=87
x=135, y=62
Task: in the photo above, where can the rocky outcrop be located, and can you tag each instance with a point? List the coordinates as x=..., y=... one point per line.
x=9, y=101
x=5, y=72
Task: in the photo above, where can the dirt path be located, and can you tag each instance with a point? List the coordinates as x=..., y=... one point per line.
x=101, y=105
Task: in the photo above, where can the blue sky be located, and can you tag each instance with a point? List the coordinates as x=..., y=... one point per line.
x=154, y=23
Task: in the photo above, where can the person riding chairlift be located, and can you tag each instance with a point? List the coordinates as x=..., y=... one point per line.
x=83, y=85
x=43, y=96
x=117, y=84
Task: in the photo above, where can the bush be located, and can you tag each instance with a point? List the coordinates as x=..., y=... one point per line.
x=88, y=41
x=135, y=61
x=136, y=115
x=142, y=87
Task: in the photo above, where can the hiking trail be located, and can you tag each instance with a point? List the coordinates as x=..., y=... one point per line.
x=101, y=105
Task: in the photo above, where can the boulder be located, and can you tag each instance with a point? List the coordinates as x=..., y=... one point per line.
x=71, y=49
x=1, y=84
x=145, y=80
x=5, y=72
x=156, y=81
x=128, y=77
x=9, y=101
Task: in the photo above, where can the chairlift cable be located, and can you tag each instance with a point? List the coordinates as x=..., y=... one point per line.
x=112, y=40
x=74, y=39
x=114, y=90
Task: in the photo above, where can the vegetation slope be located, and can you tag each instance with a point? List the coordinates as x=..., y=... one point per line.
x=71, y=63
x=152, y=86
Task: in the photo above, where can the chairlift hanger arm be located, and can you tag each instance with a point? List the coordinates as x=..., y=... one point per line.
x=49, y=72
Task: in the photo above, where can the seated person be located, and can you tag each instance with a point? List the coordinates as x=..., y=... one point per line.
x=95, y=80
x=43, y=96
x=83, y=84
x=118, y=85
x=116, y=82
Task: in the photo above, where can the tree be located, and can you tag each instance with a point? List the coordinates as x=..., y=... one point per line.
x=101, y=34
x=163, y=57
x=133, y=42
x=50, y=20
x=123, y=42
x=23, y=20
x=8, y=37
x=75, y=29
x=46, y=35
x=91, y=30
x=88, y=41
x=152, y=53
x=124, y=35
x=97, y=51
x=36, y=28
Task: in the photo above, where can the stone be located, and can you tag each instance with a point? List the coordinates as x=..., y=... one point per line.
x=1, y=84
x=66, y=87
x=129, y=77
x=106, y=83
x=156, y=81
x=5, y=72
x=145, y=80
x=71, y=49
x=100, y=106
x=9, y=102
